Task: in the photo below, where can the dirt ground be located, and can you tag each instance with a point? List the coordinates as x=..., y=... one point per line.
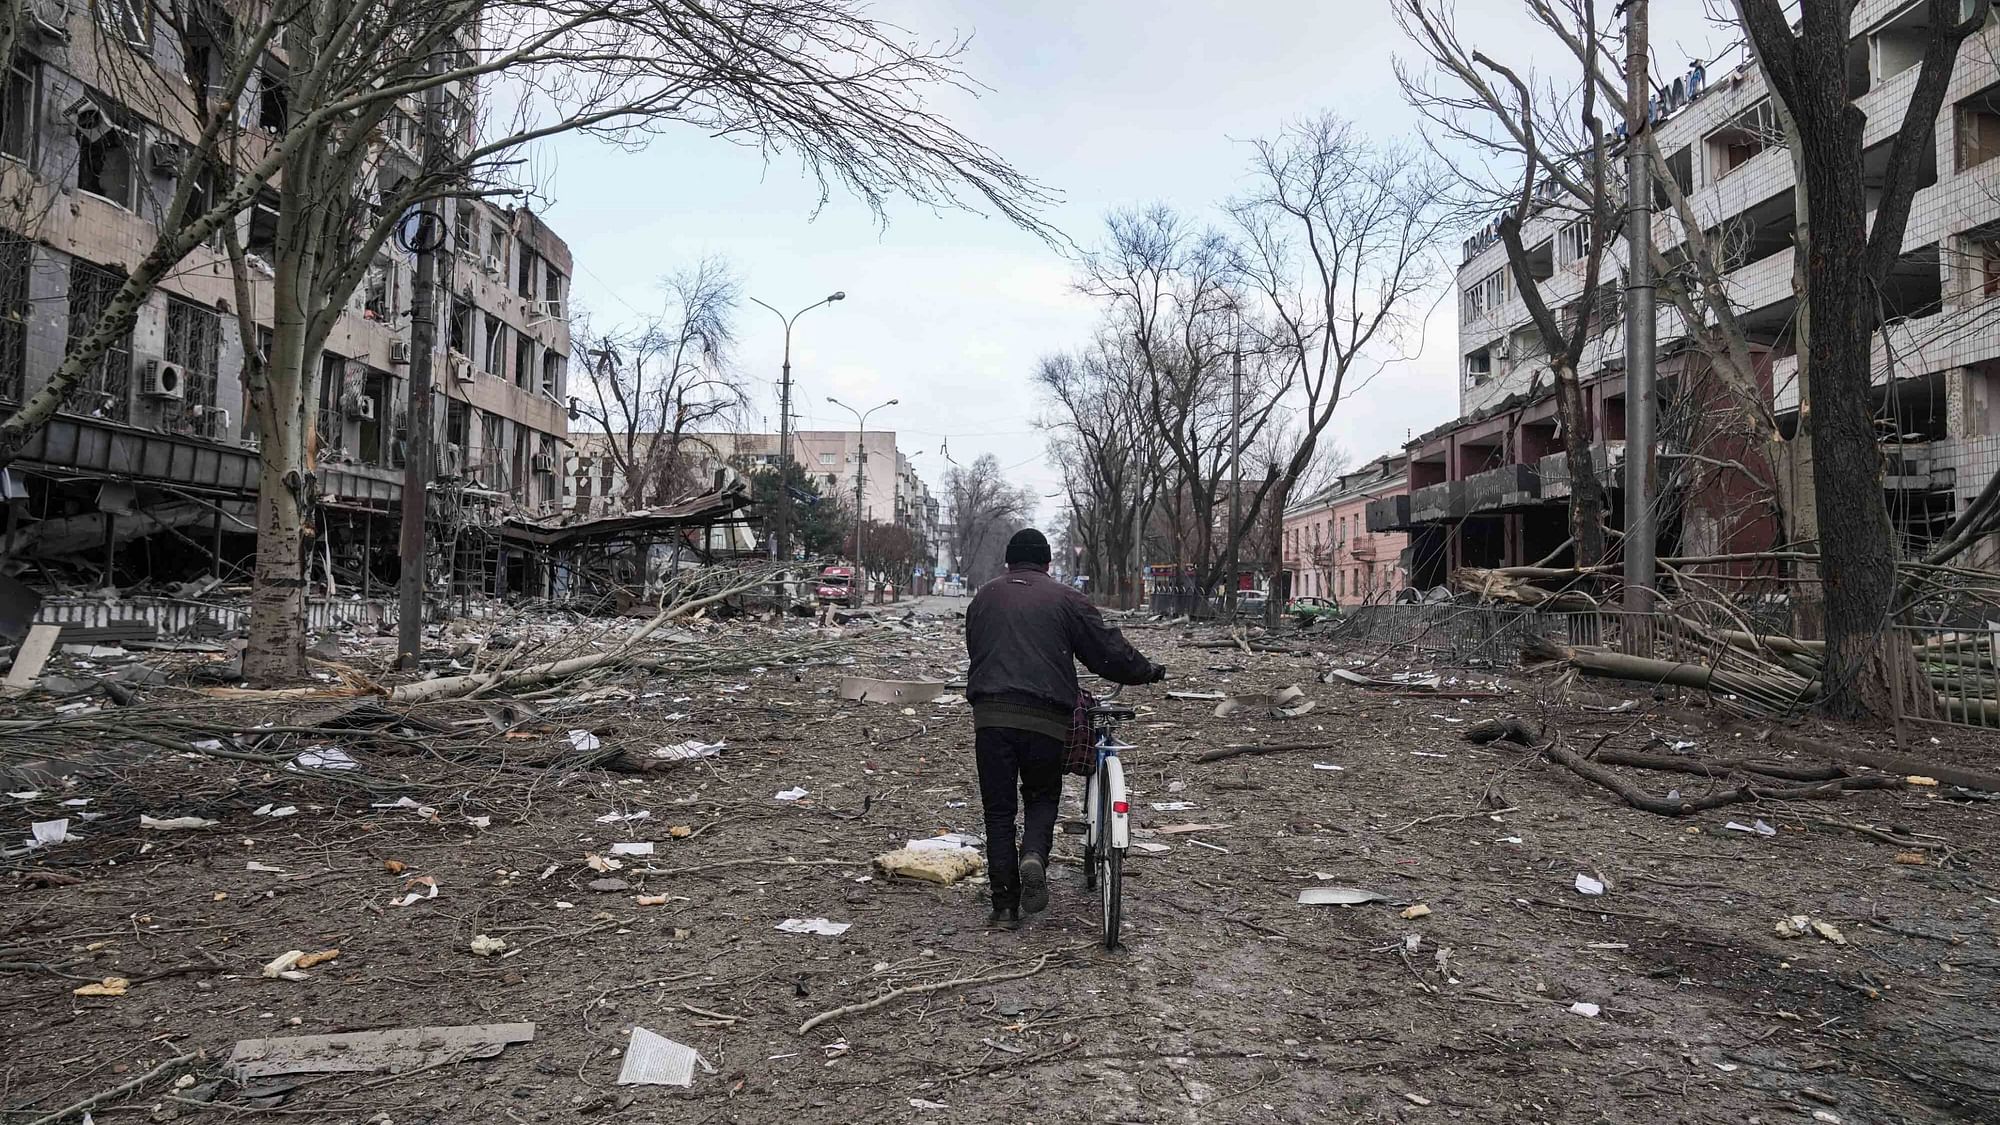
x=1231, y=1002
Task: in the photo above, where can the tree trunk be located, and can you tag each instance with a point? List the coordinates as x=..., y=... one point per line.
x=276, y=651
x=1586, y=491
x=1791, y=465
x=1858, y=558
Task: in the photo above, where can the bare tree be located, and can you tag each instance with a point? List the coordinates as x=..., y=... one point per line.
x=654, y=385
x=1342, y=247
x=1100, y=435
x=818, y=81
x=1847, y=260
x=1176, y=300
x=985, y=512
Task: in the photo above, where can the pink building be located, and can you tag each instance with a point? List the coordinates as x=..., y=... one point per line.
x=1329, y=551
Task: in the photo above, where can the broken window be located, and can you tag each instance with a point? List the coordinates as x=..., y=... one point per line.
x=1479, y=366
x=1978, y=128
x=496, y=247
x=1573, y=241
x=552, y=373
x=128, y=21
x=465, y=235
x=15, y=254
x=459, y=328
x=552, y=290
x=496, y=347
x=1982, y=266
x=524, y=359
x=1743, y=137
x=545, y=445
x=1680, y=166
x=274, y=99
x=457, y=423
x=1542, y=260
x=524, y=280
x=194, y=336
x=375, y=299
x=262, y=239
x=104, y=390
x=104, y=161
x=18, y=106
x=1486, y=295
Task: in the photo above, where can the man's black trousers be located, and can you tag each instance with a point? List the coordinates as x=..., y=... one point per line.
x=1033, y=762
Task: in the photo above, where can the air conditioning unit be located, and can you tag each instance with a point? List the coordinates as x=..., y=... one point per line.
x=91, y=120
x=163, y=380
x=494, y=265
x=461, y=368
x=542, y=463
x=165, y=158
x=399, y=352
x=547, y=310
x=358, y=406
x=213, y=422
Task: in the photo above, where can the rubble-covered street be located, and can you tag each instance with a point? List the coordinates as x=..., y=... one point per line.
x=621, y=850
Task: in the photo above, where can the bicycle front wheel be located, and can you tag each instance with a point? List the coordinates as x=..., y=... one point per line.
x=1110, y=886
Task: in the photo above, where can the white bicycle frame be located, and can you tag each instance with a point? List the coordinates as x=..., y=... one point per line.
x=1112, y=773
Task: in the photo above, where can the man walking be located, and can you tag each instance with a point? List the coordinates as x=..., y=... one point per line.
x=1025, y=631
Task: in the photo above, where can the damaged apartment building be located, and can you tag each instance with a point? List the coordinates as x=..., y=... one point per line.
x=1491, y=487
x=150, y=471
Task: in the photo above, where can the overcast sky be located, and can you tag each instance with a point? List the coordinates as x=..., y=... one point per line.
x=1111, y=104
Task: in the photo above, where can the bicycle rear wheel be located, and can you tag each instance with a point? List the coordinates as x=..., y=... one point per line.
x=1110, y=885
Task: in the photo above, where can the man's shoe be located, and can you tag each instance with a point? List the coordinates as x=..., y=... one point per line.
x=1008, y=919
x=1034, y=884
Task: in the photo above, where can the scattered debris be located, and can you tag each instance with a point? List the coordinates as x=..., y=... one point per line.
x=360, y=1052
x=1338, y=896
x=419, y=889
x=174, y=824
x=1759, y=827
x=867, y=689
x=1588, y=1011
x=1799, y=925
x=285, y=966
x=818, y=926
x=1585, y=885
x=1285, y=703
x=793, y=794
x=109, y=986
x=932, y=865
x=484, y=946
x=632, y=847
x=31, y=657
x=1410, y=913
x=652, y=1059
x=325, y=758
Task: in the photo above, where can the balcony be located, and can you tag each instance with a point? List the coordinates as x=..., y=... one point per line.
x=1440, y=503
x=1502, y=489
x=1364, y=549
x=1390, y=513
x=1607, y=457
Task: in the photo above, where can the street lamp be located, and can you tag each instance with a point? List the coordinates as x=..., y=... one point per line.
x=860, y=469
x=781, y=538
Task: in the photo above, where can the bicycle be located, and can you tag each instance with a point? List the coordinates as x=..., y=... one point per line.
x=1107, y=822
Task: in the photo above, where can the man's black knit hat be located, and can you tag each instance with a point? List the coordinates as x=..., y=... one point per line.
x=1028, y=546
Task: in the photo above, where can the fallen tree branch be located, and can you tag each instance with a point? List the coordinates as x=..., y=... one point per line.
x=896, y=994
x=1686, y=806
x=1900, y=764
x=1719, y=767
x=1238, y=751
x=1496, y=730
x=778, y=861
x=121, y=1088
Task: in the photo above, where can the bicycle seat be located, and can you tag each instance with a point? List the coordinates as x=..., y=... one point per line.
x=1113, y=711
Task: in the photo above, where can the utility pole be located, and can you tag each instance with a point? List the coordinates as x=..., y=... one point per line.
x=1641, y=406
x=1235, y=468
x=781, y=518
x=417, y=451
x=860, y=470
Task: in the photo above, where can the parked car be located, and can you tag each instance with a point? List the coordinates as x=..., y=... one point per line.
x=1251, y=603
x=840, y=585
x=1308, y=610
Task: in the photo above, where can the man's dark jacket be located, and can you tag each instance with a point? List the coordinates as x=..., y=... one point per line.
x=1025, y=631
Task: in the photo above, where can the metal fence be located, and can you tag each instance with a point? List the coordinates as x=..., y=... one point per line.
x=1955, y=680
